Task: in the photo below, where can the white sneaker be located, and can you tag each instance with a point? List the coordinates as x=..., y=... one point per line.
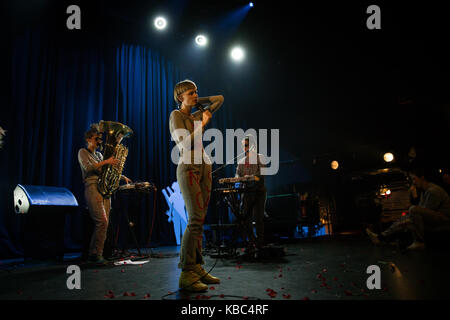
x=373, y=237
x=416, y=245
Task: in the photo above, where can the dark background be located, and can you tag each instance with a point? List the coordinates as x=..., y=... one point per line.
x=334, y=88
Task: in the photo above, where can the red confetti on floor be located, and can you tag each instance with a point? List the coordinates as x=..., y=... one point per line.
x=212, y=288
x=147, y=296
x=286, y=296
x=272, y=293
x=348, y=293
x=305, y=298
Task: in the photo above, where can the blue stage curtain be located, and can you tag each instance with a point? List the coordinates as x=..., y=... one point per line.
x=57, y=91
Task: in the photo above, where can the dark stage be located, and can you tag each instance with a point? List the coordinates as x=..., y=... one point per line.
x=343, y=100
x=325, y=268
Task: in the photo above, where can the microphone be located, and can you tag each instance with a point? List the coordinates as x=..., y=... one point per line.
x=250, y=149
x=200, y=107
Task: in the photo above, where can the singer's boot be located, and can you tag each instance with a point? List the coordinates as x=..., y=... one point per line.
x=205, y=276
x=190, y=281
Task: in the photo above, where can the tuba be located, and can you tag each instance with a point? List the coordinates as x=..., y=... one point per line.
x=114, y=132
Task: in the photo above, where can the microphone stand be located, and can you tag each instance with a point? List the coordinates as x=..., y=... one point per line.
x=231, y=161
x=227, y=163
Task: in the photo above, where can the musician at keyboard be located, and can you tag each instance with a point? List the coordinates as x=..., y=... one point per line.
x=253, y=203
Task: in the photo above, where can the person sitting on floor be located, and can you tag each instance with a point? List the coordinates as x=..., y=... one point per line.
x=432, y=211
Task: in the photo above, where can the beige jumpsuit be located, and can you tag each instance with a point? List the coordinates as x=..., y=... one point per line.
x=195, y=182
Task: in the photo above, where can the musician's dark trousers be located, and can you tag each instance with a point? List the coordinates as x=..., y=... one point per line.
x=99, y=209
x=195, y=186
x=253, y=207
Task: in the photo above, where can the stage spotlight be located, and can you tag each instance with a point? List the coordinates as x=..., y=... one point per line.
x=388, y=157
x=251, y=4
x=237, y=54
x=201, y=40
x=160, y=23
x=334, y=165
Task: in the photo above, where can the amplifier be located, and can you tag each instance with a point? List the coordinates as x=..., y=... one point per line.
x=283, y=212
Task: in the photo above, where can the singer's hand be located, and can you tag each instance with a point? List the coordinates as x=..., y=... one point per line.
x=206, y=117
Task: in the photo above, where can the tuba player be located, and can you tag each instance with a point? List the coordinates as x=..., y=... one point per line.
x=91, y=161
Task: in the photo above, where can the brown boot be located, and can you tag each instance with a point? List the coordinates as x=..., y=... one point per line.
x=205, y=276
x=189, y=281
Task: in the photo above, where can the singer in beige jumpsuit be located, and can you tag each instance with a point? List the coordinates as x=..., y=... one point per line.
x=194, y=179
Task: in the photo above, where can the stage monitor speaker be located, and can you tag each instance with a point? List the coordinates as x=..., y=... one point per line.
x=29, y=199
x=44, y=210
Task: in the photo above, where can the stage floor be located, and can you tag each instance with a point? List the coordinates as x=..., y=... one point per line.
x=327, y=268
